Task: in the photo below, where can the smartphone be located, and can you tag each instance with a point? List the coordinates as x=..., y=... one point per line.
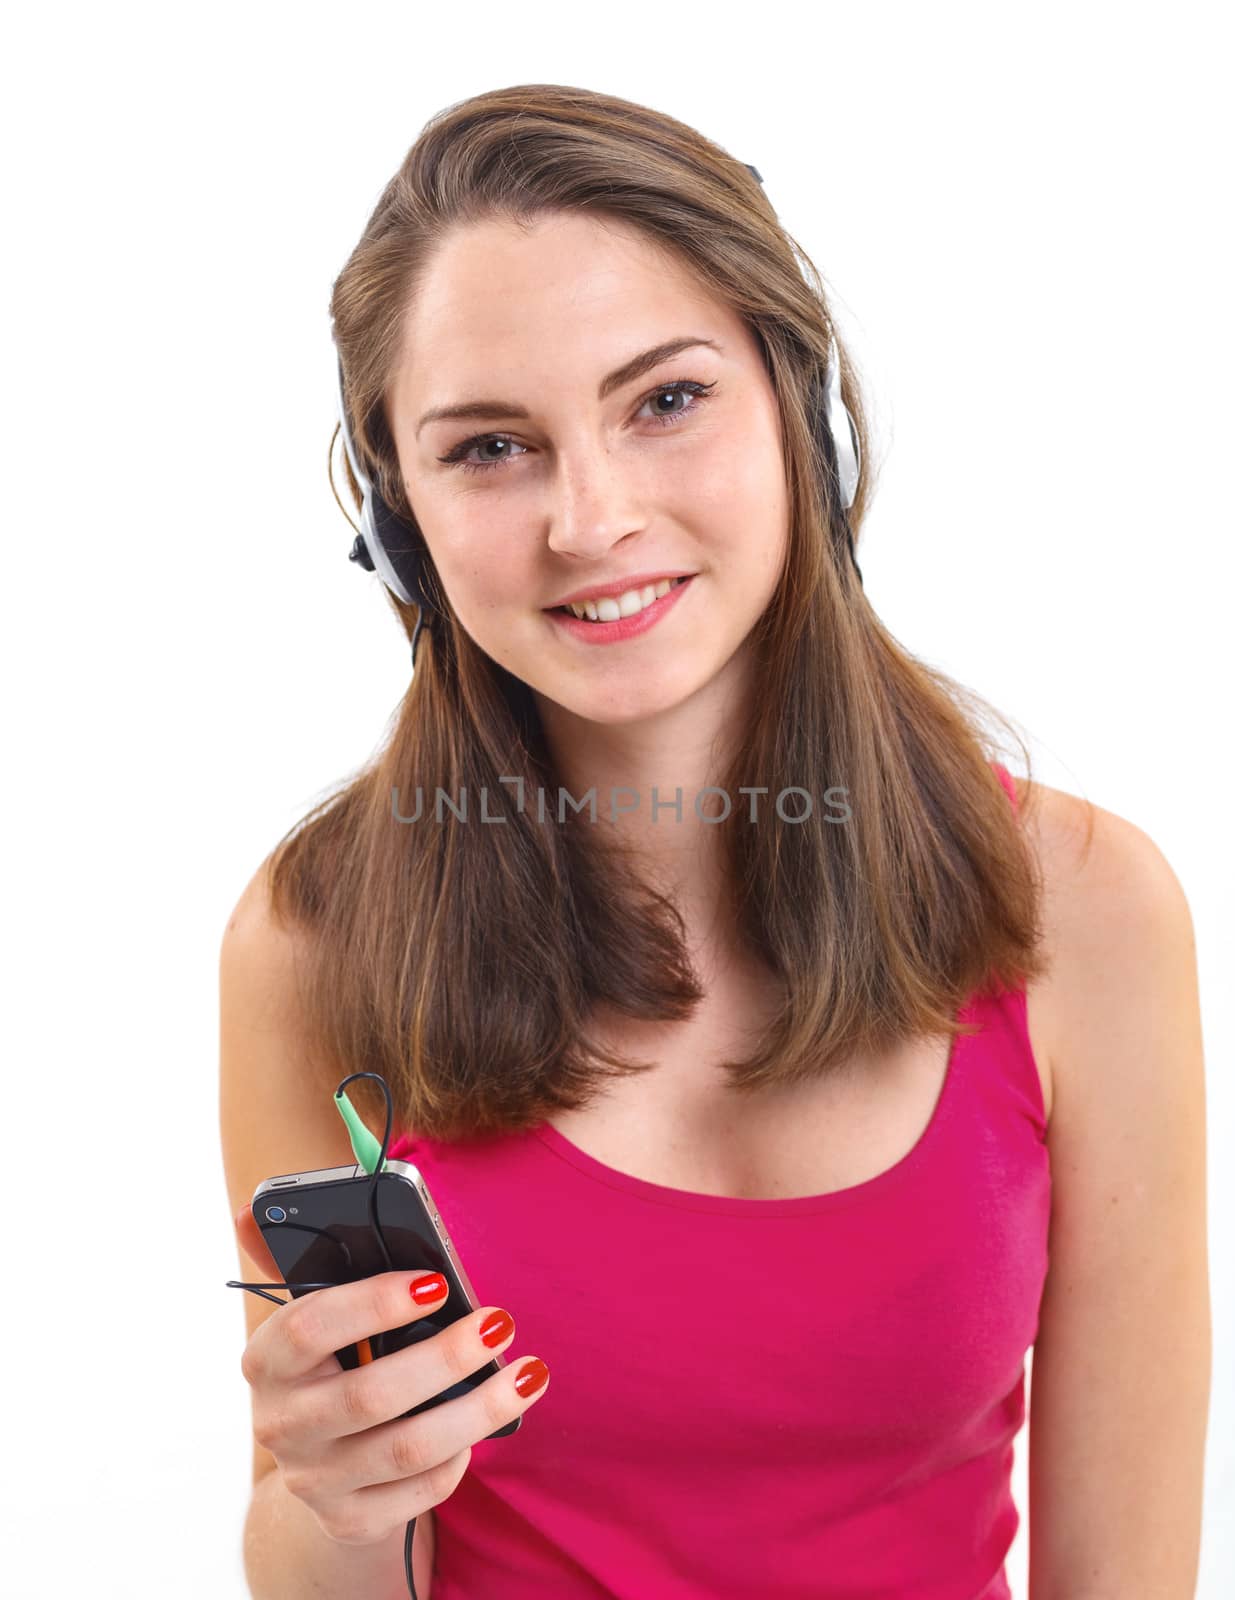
x=317, y=1227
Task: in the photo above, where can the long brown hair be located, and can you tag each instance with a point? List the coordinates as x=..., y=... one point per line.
x=465, y=962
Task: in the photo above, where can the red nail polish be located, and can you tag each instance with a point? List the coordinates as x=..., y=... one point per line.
x=497, y=1328
x=532, y=1378
x=426, y=1290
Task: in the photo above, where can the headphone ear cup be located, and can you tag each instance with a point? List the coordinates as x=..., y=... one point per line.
x=826, y=425
x=402, y=548
x=850, y=464
x=829, y=417
x=846, y=458
x=387, y=543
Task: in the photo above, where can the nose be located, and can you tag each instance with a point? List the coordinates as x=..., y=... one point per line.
x=595, y=505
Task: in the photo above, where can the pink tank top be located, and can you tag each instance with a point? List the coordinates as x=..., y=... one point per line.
x=783, y=1398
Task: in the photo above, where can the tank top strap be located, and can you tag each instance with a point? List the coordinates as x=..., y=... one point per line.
x=1009, y=783
x=1004, y=1059
x=1005, y=1013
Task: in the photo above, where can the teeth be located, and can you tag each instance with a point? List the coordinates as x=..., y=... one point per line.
x=623, y=605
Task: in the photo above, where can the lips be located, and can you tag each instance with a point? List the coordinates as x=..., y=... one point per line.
x=613, y=591
x=623, y=628
x=614, y=599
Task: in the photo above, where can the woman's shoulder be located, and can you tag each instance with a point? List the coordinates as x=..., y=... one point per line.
x=251, y=915
x=260, y=932
x=1109, y=898
x=1097, y=867
x=258, y=952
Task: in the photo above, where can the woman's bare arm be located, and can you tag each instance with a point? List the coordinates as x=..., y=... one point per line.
x=1119, y=1395
x=276, y=1115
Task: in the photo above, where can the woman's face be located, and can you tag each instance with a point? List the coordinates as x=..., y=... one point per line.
x=570, y=475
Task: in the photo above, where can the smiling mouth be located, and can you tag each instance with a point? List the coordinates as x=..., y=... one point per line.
x=610, y=609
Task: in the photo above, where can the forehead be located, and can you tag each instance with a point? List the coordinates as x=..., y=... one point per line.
x=499, y=297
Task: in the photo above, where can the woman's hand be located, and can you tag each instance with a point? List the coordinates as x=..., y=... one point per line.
x=340, y=1437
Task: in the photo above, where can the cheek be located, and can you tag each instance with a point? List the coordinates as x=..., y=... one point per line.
x=735, y=501
x=481, y=559
x=481, y=592
x=759, y=490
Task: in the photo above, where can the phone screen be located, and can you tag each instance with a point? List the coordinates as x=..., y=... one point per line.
x=318, y=1229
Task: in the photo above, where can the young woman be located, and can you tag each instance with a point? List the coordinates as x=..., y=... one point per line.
x=785, y=1098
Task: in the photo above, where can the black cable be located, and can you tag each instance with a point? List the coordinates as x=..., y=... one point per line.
x=261, y=1288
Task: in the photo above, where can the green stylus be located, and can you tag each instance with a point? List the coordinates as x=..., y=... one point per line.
x=365, y=1146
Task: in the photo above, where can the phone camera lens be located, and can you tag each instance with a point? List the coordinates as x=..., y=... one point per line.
x=275, y=1214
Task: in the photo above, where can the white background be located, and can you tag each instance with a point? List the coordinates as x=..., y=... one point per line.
x=1021, y=214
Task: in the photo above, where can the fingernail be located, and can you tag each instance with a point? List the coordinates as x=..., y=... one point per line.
x=497, y=1328
x=425, y=1291
x=532, y=1378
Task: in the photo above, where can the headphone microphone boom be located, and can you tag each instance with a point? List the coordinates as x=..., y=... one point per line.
x=392, y=547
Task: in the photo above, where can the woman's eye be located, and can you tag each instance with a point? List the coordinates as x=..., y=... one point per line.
x=483, y=444
x=685, y=388
x=680, y=391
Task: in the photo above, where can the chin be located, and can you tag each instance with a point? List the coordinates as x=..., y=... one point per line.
x=628, y=703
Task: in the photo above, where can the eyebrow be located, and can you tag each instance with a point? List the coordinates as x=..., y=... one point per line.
x=617, y=379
